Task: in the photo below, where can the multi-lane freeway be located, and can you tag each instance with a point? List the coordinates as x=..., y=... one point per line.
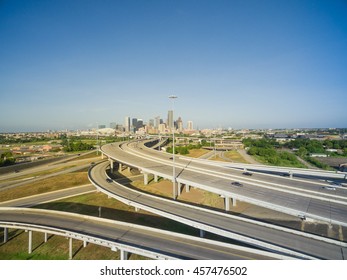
x=259, y=234
x=149, y=242
x=302, y=198
x=292, y=196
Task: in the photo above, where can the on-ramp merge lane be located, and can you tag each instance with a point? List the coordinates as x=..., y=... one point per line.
x=307, y=244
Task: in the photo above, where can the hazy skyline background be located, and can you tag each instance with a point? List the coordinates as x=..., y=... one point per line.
x=241, y=64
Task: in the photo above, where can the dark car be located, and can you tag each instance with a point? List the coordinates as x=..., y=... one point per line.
x=237, y=184
x=247, y=173
x=108, y=180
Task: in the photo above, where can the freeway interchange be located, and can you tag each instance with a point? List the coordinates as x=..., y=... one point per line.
x=285, y=192
x=302, y=198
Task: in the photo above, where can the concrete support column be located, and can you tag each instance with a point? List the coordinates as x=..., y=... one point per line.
x=227, y=203
x=123, y=255
x=179, y=186
x=234, y=201
x=174, y=191
x=290, y=174
x=187, y=188
x=70, y=248
x=30, y=245
x=46, y=237
x=129, y=169
x=85, y=244
x=156, y=178
x=202, y=233
x=120, y=167
x=5, y=235
x=137, y=209
x=145, y=178
x=111, y=163
x=102, y=155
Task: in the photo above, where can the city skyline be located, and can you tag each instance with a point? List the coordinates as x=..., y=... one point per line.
x=240, y=64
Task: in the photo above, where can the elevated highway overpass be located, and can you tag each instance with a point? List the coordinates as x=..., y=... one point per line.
x=119, y=236
x=302, y=198
x=270, y=237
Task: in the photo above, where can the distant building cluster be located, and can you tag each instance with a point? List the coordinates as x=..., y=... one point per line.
x=156, y=125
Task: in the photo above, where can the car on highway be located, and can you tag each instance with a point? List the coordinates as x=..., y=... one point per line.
x=237, y=184
x=302, y=217
x=108, y=180
x=247, y=173
x=330, y=188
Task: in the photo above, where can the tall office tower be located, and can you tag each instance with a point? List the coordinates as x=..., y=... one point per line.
x=180, y=124
x=127, y=124
x=139, y=124
x=170, y=121
x=190, y=125
x=134, y=125
x=157, y=122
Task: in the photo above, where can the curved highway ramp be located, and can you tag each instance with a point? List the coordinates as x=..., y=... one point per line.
x=265, y=236
x=125, y=237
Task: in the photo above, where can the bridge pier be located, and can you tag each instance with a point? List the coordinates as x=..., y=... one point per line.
x=70, y=248
x=145, y=179
x=5, y=235
x=227, y=203
x=120, y=167
x=187, y=188
x=179, y=186
x=111, y=164
x=123, y=255
x=156, y=178
x=46, y=237
x=202, y=233
x=290, y=174
x=234, y=201
x=30, y=245
x=174, y=191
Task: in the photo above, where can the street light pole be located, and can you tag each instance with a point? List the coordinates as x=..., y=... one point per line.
x=173, y=97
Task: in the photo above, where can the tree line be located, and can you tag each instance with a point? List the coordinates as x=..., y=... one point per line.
x=6, y=158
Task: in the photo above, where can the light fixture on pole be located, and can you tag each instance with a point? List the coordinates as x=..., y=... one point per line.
x=174, y=191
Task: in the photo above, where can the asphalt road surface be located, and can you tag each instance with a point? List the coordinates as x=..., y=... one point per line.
x=245, y=227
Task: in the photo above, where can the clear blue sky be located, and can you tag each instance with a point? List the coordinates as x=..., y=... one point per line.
x=68, y=64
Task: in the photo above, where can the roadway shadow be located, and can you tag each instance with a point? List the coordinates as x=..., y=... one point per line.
x=117, y=176
x=290, y=224
x=139, y=218
x=12, y=234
